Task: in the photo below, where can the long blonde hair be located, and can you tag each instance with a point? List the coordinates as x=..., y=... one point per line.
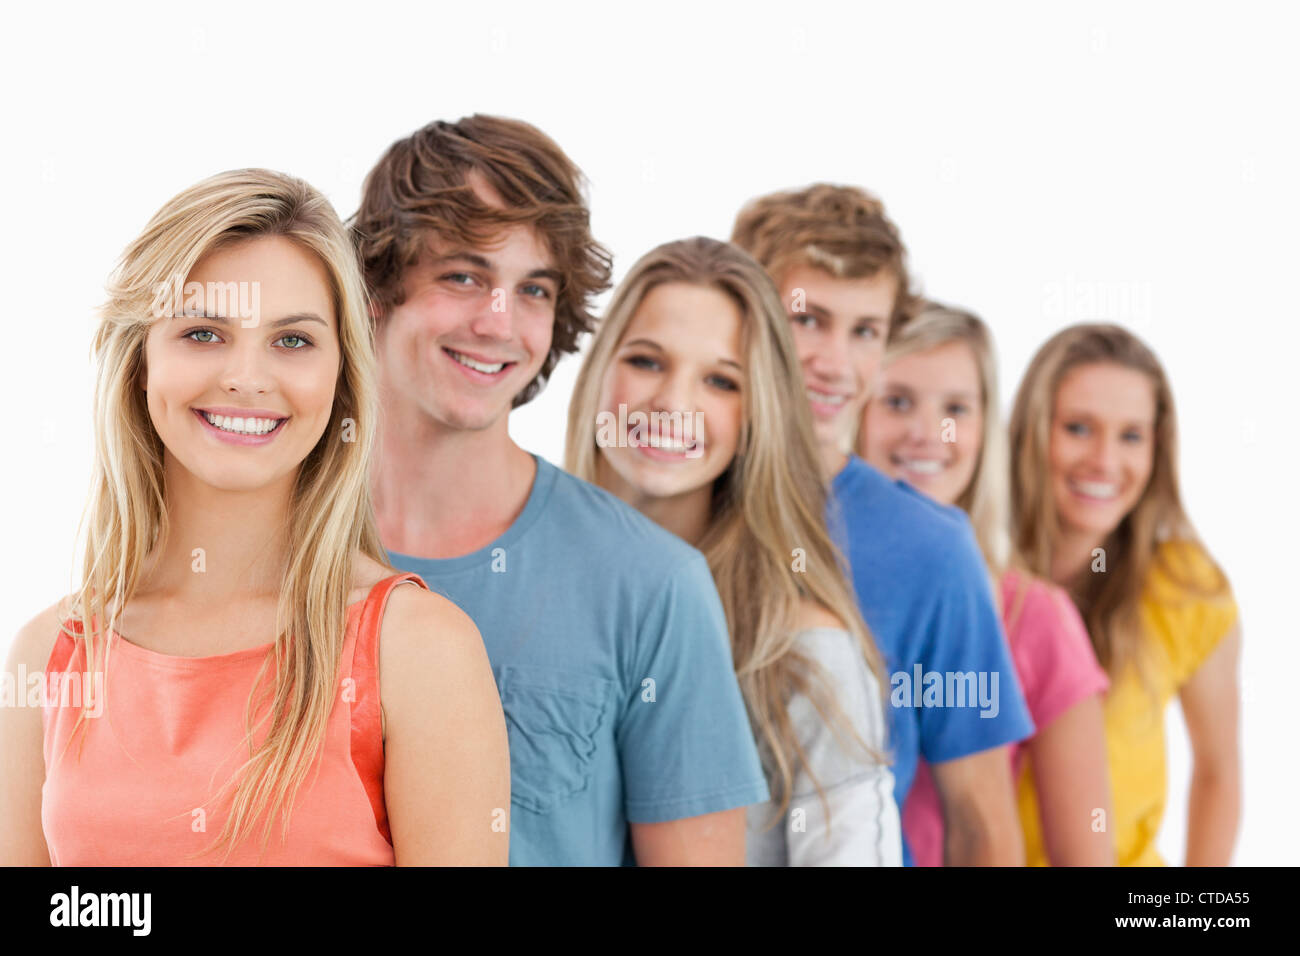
x=1108, y=602
x=770, y=500
x=330, y=515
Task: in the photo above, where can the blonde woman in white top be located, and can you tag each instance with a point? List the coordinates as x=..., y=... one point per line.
x=690, y=407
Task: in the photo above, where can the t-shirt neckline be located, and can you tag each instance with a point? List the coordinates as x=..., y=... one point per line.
x=543, y=483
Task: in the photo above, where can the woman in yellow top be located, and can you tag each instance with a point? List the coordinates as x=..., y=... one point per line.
x=1097, y=509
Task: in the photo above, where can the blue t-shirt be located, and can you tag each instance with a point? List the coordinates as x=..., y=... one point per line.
x=926, y=595
x=610, y=650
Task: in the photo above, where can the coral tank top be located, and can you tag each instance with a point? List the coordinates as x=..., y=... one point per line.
x=138, y=789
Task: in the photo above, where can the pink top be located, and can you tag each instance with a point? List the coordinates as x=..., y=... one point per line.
x=131, y=790
x=1056, y=667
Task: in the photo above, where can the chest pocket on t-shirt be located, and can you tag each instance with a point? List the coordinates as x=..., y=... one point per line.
x=555, y=719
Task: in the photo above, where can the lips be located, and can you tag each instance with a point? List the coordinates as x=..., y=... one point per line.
x=924, y=467
x=667, y=449
x=825, y=404
x=1101, y=491
x=480, y=367
x=250, y=427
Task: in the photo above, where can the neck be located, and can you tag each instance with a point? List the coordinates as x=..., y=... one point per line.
x=833, y=459
x=222, y=547
x=442, y=492
x=1072, y=556
x=685, y=515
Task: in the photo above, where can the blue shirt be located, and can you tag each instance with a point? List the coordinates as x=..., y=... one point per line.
x=609, y=647
x=926, y=595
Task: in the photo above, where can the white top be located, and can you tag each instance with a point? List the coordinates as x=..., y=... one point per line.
x=864, y=821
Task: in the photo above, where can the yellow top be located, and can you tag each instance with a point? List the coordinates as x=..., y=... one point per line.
x=1181, y=630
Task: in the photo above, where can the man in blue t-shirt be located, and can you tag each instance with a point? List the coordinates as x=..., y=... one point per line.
x=839, y=265
x=629, y=741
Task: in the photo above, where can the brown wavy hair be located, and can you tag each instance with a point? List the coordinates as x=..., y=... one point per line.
x=419, y=188
x=841, y=229
x=1108, y=602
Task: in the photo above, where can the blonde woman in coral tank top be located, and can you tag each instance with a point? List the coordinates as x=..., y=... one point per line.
x=240, y=677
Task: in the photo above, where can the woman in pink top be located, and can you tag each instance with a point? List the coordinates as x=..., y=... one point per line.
x=934, y=423
x=239, y=678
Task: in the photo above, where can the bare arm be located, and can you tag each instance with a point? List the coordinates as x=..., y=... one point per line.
x=1211, y=705
x=713, y=839
x=22, y=754
x=979, y=810
x=446, y=757
x=1072, y=779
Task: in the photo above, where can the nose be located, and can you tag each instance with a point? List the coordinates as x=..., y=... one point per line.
x=496, y=319
x=676, y=393
x=246, y=371
x=828, y=359
x=1103, y=453
x=917, y=427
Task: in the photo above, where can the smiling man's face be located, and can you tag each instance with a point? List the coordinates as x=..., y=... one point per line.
x=840, y=327
x=475, y=325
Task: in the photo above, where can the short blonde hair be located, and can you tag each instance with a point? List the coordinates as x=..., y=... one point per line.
x=842, y=230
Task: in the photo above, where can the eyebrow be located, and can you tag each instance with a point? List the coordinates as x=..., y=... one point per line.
x=819, y=310
x=483, y=262
x=1080, y=413
x=659, y=348
x=278, y=323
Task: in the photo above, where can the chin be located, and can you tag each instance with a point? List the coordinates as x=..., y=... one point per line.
x=236, y=484
x=829, y=434
x=660, y=481
x=1098, y=525
x=654, y=482
x=470, y=419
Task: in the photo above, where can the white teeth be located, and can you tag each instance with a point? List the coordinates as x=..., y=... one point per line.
x=242, y=426
x=669, y=445
x=1097, y=489
x=824, y=398
x=924, y=466
x=477, y=366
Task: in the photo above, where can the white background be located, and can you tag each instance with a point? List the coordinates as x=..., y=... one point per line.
x=1128, y=162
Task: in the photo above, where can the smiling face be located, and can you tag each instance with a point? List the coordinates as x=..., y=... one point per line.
x=241, y=408
x=679, y=355
x=926, y=422
x=840, y=327
x=1101, y=448
x=474, y=327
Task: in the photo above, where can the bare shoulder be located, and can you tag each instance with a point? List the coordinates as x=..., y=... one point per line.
x=424, y=629
x=32, y=645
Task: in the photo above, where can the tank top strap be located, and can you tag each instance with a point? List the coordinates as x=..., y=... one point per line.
x=64, y=646
x=367, y=722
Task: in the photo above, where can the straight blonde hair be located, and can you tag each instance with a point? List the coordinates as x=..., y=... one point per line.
x=770, y=501
x=330, y=517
